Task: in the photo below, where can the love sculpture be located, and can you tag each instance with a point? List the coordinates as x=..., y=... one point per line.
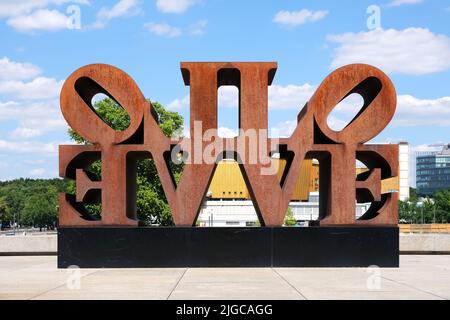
x=337, y=152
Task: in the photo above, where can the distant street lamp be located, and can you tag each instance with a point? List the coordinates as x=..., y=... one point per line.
x=14, y=223
x=434, y=214
x=422, y=214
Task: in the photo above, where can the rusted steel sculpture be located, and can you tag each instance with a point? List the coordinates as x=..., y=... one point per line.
x=337, y=152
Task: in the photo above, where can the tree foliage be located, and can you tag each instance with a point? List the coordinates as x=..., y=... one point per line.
x=289, y=219
x=428, y=210
x=41, y=210
x=33, y=202
x=152, y=206
x=5, y=211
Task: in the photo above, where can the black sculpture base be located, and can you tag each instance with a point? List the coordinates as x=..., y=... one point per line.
x=110, y=247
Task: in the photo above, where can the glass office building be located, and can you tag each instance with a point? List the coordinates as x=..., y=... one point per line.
x=433, y=171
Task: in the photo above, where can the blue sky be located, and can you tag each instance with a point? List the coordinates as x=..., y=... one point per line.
x=42, y=43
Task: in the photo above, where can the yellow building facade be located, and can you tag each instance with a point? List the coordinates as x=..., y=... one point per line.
x=228, y=182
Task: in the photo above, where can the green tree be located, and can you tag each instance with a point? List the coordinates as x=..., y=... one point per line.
x=41, y=210
x=428, y=209
x=152, y=206
x=418, y=212
x=407, y=211
x=289, y=219
x=5, y=212
x=442, y=201
x=17, y=193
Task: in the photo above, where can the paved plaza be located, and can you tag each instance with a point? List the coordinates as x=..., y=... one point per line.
x=36, y=277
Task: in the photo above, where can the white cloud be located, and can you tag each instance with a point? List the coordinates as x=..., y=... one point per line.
x=10, y=8
x=198, y=28
x=120, y=9
x=169, y=31
x=225, y=132
x=163, y=29
x=28, y=147
x=32, y=104
x=336, y=123
x=228, y=96
x=48, y=20
x=396, y=3
x=175, y=6
x=283, y=129
x=123, y=8
x=286, y=128
x=38, y=88
x=296, y=18
x=345, y=111
x=10, y=70
x=280, y=97
x=26, y=133
x=34, y=119
x=38, y=127
x=413, y=51
x=426, y=148
x=38, y=172
x=412, y=111
x=178, y=103
x=29, y=106
x=290, y=97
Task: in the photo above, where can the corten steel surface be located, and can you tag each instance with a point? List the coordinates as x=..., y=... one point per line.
x=337, y=152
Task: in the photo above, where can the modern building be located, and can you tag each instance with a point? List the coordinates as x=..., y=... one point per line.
x=433, y=171
x=228, y=182
x=404, y=165
x=228, y=201
x=242, y=213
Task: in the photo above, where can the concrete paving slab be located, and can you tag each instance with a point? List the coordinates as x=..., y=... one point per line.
x=218, y=275
x=367, y=295
x=33, y=280
x=133, y=284
x=236, y=290
x=233, y=283
x=431, y=275
x=37, y=277
x=13, y=263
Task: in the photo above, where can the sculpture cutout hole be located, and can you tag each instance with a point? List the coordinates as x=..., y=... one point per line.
x=372, y=161
x=97, y=98
x=363, y=197
x=229, y=201
x=86, y=201
x=319, y=183
x=175, y=160
x=228, y=111
x=281, y=162
x=102, y=103
x=303, y=207
x=145, y=197
x=345, y=111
